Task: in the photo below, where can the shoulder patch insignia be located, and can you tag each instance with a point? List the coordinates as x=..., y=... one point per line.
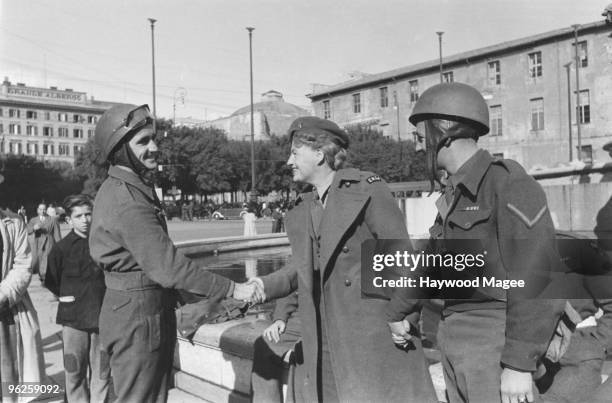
x=373, y=178
x=528, y=222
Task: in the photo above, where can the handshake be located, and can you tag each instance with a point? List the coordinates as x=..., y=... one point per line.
x=252, y=291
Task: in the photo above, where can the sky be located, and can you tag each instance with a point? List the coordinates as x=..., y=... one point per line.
x=103, y=47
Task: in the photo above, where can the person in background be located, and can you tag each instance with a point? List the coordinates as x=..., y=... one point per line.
x=73, y=276
x=22, y=213
x=275, y=351
x=20, y=341
x=277, y=224
x=44, y=232
x=51, y=210
x=249, y=219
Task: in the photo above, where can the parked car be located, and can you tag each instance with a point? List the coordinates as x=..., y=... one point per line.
x=228, y=213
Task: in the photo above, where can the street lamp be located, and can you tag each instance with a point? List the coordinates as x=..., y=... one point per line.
x=576, y=26
x=568, y=67
x=399, y=140
x=181, y=93
x=253, y=191
x=153, y=21
x=440, y=33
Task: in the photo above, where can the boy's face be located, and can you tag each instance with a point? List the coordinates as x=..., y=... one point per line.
x=80, y=220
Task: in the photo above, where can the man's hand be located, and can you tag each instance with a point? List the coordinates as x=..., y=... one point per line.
x=251, y=291
x=273, y=332
x=400, y=332
x=516, y=386
x=36, y=227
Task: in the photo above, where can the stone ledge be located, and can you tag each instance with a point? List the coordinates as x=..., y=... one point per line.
x=212, y=246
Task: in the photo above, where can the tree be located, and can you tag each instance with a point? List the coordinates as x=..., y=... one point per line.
x=394, y=161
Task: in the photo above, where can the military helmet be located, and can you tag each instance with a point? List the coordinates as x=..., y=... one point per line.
x=116, y=123
x=453, y=101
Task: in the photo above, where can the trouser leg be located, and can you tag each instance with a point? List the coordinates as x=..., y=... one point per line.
x=76, y=364
x=100, y=370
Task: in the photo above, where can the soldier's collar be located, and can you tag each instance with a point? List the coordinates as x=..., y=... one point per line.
x=130, y=177
x=470, y=174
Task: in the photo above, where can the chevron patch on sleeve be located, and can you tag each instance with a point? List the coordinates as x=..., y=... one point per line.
x=529, y=222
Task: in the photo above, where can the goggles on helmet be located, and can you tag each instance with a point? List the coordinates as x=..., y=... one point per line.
x=136, y=119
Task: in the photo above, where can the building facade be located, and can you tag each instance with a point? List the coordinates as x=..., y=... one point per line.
x=271, y=116
x=48, y=124
x=528, y=83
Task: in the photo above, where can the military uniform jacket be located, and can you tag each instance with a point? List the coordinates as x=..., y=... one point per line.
x=366, y=364
x=129, y=234
x=495, y=201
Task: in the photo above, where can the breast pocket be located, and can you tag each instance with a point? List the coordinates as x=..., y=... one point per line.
x=468, y=219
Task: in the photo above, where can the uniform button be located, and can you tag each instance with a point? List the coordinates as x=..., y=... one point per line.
x=345, y=249
x=347, y=283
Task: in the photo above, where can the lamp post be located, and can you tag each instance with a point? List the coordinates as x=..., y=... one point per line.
x=568, y=67
x=153, y=21
x=181, y=92
x=399, y=140
x=440, y=33
x=576, y=26
x=253, y=191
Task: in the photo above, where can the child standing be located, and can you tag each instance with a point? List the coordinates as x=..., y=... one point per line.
x=79, y=283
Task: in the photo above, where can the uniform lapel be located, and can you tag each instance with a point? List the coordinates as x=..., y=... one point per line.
x=301, y=236
x=343, y=206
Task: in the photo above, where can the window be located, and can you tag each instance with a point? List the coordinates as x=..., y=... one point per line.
x=47, y=116
x=92, y=120
x=31, y=115
x=1, y=128
x=63, y=149
x=62, y=117
x=537, y=114
x=384, y=97
x=535, y=64
x=15, y=147
x=494, y=73
x=76, y=118
x=62, y=132
x=585, y=107
x=326, y=110
x=582, y=53
x=14, y=128
x=499, y=156
x=32, y=148
x=586, y=154
x=1, y=112
x=90, y=133
x=414, y=90
x=48, y=131
x=31, y=130
x=448, y=77
x=77, y=149
x=14, y=113
x=47, y=149
x=496, y=120
x=77, y=133
x=356, y=103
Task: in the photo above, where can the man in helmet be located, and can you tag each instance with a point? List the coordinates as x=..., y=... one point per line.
x=490, y=339
x=129, y=241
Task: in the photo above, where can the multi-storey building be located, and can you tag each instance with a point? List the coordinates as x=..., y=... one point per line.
x=49, y=124
x=529, y=86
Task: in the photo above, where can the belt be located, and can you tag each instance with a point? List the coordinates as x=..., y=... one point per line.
x=129, y=281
